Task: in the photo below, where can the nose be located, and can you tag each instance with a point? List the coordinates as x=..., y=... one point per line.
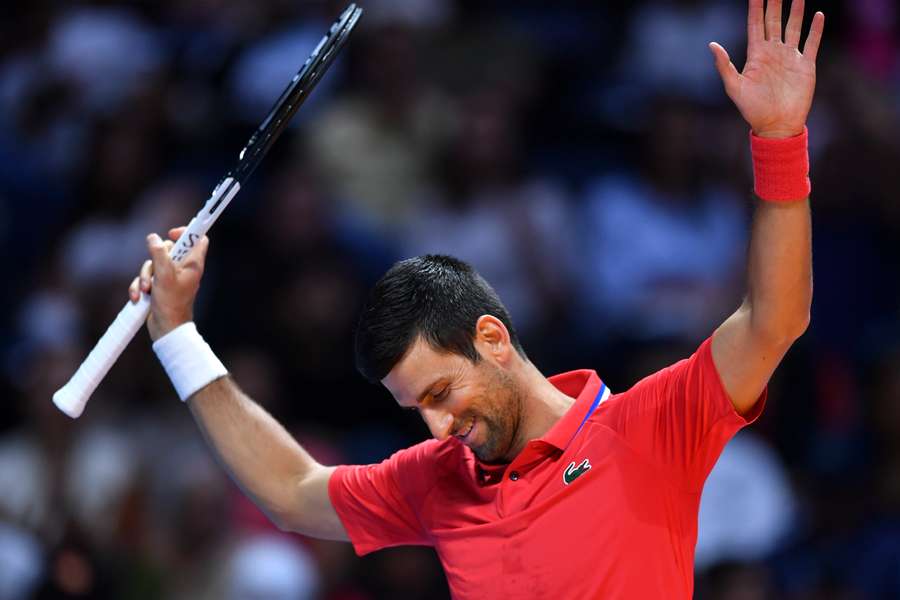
x=438, y=421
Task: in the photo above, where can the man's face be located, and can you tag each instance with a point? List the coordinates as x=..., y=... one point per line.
x=479, y=403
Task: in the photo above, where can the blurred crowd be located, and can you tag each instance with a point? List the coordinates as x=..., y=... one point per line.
x=582, y=156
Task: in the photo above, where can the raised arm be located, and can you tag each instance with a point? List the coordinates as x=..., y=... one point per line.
x=262, y=458
x=774, y=94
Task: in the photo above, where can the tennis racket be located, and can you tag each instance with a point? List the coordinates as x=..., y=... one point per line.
x=72, y=397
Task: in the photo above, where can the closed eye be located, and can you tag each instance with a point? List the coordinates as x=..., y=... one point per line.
x=427, y=397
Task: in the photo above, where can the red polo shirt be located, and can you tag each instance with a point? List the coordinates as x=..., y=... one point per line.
x=608, y=513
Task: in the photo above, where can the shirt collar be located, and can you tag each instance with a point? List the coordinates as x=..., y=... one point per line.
x=582, y=385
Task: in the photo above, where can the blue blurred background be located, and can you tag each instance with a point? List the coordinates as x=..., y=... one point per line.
x=582, y=156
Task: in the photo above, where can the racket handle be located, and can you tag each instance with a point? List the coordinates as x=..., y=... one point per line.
x=72, y=397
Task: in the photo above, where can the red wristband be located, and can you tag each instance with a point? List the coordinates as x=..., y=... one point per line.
x=781, y=167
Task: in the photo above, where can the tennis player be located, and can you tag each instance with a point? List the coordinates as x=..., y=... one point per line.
x=533, y=487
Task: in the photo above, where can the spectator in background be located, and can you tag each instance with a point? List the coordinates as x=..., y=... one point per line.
x=102, y=248
x=106, y=51
x=664, y=53
x=272, y=568
x=507, y=224
x=665, y=46
x=664, y=244
x=21, y=561
x=317, y=259
x=748, y=507
x=376, y=148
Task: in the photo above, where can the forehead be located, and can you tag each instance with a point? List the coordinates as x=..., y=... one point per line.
x=420, y=368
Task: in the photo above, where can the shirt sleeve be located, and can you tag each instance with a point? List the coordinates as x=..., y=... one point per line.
x=379, y=504
x=681, y=417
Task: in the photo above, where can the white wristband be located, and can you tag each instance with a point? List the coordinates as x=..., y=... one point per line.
x=188, y=360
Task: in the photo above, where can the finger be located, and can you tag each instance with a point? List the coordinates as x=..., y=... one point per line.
x=811, y=47
x=756, y=31
x=204, y=247
x=176, y=232
x=197, y=257
x=134, y=292
x=730, y=76
x=146, y=276
x=795, y=24
x=162, y=264
x=773, y=20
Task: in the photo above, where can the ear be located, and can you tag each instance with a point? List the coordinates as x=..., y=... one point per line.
x=492, y=338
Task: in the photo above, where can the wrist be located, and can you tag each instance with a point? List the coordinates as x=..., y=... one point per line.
x=159, y=327
x=188, y=360
x=780, y=167
x=778, y=133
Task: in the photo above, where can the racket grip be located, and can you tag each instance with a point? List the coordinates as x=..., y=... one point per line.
x=72, y=397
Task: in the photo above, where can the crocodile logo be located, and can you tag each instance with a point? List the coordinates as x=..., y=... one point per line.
x=572, y=472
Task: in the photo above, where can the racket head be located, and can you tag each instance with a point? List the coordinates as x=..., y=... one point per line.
x=296, y=92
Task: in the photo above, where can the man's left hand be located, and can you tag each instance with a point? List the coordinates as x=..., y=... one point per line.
x=775, y=90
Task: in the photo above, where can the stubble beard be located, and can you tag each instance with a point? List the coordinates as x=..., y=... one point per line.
x=501, y=414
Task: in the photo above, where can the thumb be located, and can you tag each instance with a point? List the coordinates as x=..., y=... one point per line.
x=727, y=71
x=162, y=263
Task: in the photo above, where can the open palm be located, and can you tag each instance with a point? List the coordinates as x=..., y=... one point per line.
x=775, y=90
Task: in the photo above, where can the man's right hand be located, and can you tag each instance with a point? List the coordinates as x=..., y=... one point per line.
x=268, y=463
x=174, y=285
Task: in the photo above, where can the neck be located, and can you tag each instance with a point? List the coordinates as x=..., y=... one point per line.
x=542, y=406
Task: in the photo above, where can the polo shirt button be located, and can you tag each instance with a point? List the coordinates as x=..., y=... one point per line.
x=514, y=475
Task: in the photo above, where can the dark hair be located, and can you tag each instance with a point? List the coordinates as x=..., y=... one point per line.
x=437, y=297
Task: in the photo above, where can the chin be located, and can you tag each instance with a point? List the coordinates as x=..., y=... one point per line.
x=488, y=456
x=489, y=460
x=483, y=456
